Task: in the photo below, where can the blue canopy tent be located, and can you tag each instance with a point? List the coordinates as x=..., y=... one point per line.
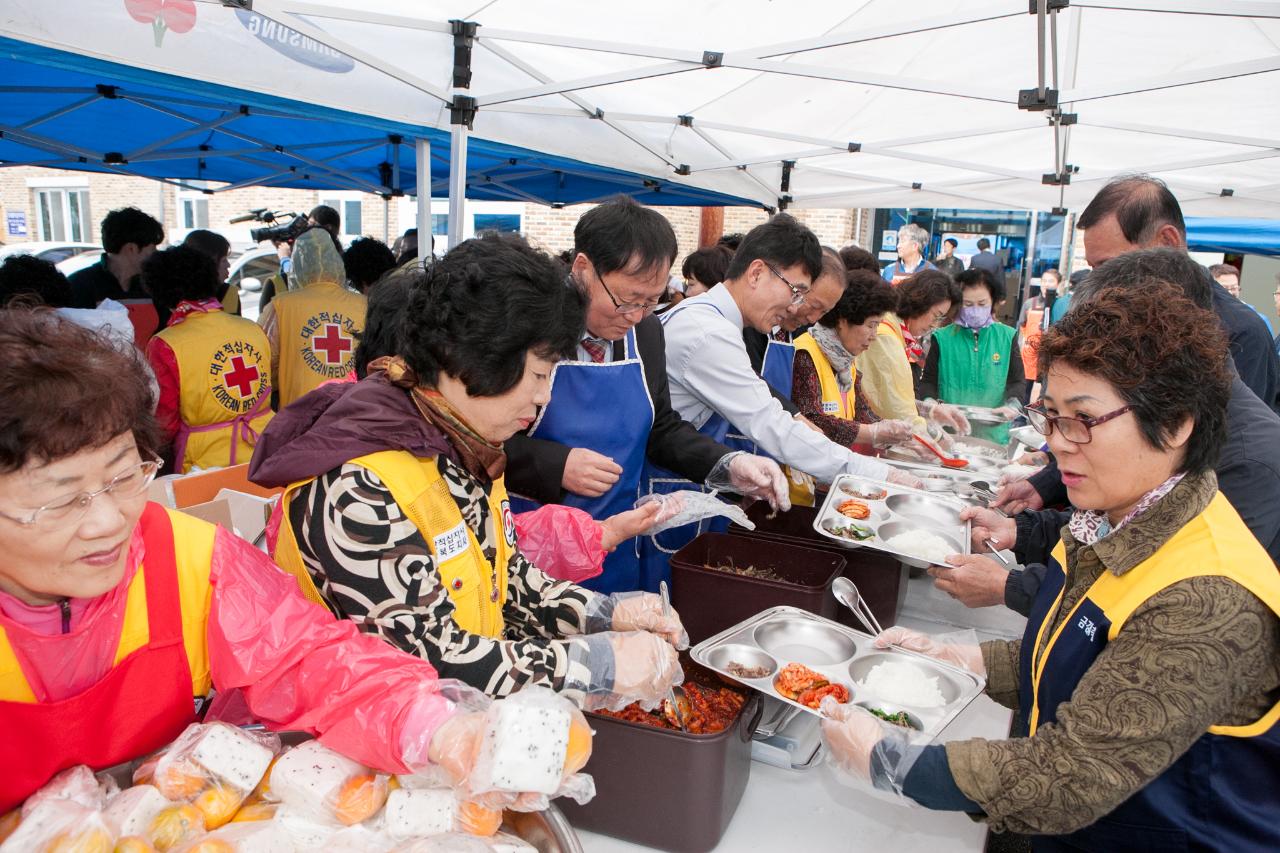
x=62, y=110
x=1245, y=236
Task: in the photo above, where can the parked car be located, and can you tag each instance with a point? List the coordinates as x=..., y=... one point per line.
x=50, y=251
x=75, y=263
x=249, y=272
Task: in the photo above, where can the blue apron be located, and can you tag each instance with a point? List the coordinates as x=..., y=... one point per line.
x=779, y=359
x=583, y=394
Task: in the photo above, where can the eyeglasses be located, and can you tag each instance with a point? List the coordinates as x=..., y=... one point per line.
x=1074, y=430
x=624, y=307
x=128, y=484
x=798, y=294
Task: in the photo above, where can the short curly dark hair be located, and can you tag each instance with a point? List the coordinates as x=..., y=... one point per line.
x=67, y=388
x=857, y=258
x=922, y=291
x=707, y=265
x=1166, y=357
x=981, y=278
x=367, y=260
x=127, y=225
x=867, y=295
x=178, y=274
x=477, y=311
x=28, y=278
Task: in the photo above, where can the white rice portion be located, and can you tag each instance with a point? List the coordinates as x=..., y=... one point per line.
x=922, y=544
x=903, y=684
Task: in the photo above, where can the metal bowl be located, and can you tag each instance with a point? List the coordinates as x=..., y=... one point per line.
x=924, y=508
x=721, y=656
x=890, y=529
x=803, y=641
x=864, y=490
x=890, y=708
x=948, y=685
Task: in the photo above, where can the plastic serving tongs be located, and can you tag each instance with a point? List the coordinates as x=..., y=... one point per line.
x=947, y=461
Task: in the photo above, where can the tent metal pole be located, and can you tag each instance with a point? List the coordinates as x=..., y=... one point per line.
x=457, y=182
x=1182, y=133
x=61, y=111
x=1229, y=8
x=1175, y=79
x=422, y=177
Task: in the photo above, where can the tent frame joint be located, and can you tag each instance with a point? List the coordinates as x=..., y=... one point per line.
x=462, y=111
x=464, y=38
x=712, y=58
x=1051, y=6
x=1032, y=101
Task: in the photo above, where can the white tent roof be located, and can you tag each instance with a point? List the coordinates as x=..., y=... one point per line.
x=876, y=102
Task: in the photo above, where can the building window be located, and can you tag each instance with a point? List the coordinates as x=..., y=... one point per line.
x=195, y=213
x=503, y=223
x=348, y=207
x=62, y=215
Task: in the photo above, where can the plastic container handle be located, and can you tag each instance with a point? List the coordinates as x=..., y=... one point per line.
x=748, y=730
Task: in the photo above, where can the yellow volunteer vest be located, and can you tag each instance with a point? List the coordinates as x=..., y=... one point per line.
x=193, y=551
x=477, y=587
x=231, y=300
x=1215, y=543
x=318, y=326
x=224, y=365
x=834, y=403
x=893, y=329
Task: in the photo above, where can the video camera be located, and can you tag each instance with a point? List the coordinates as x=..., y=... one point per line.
x=281, y=227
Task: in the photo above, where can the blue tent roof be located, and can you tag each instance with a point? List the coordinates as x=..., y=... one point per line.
x=67, y=111
x=1246, y=236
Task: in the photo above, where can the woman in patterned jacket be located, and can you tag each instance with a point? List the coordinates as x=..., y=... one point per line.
x=396, y=516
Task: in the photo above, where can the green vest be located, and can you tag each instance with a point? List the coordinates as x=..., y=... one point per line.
x=975, y=375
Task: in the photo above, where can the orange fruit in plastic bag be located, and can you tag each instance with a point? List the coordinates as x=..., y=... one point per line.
x=256, y=810
x=9, y=822
x=360, y=798
x=478, y=820
x=144, y=772
x=579, y=748
x=92, y=840
x=180, y=783
x=174, y=825
x=219, y=805
x=211, y=845
x=133, y=844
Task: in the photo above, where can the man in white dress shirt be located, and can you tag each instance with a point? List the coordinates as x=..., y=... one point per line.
x=710, y=374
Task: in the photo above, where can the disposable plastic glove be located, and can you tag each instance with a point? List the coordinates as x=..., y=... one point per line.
x=890, y=432
x=960, y=650
x=874, y=753
x=643, y=611
x=753, y=476
x=902, y=478
x=630, y=666
x=945, y=414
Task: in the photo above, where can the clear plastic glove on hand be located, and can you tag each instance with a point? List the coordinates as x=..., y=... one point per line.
x=518, y=753
x=630, y=666
x=872, y=753
x=636, y=611
x=958, y=649
x=688, y=506
x=890, y=432
x=620, y=527
x=945, y=414
x=754, y=476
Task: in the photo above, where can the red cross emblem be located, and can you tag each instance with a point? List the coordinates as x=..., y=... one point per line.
x=332, y=343
x=241, y=377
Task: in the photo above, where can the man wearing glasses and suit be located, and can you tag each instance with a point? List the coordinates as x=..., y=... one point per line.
x=610, y=411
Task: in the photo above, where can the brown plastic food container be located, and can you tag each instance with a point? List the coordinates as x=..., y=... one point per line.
x=666, y=789
x=880, y=578
x=710, y=601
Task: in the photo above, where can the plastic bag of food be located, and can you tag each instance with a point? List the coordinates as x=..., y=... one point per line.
x=563, y=541
x=133, y=844
x=358, y=839
x=77, y=784
x=56, y=825
x=418, y=812
x=687, y=506
x=130, y=812
x=505, y=843
x=175, y=826
x=448, y=843
x=314, y=781
x=215, y=766
x=268, y=837
x=534, y=742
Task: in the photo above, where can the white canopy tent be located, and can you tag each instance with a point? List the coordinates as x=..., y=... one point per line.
x=812, y=103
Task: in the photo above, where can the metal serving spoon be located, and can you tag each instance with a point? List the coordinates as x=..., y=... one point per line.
x=676, y=697
x=847, y=594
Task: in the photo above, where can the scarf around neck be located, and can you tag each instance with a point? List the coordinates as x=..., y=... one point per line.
x=915, y=349
x=482, y=459
x=841, y=359
x=1087, y=526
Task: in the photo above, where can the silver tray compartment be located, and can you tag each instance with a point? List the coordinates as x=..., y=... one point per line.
x=789, y=630
x=900, y=510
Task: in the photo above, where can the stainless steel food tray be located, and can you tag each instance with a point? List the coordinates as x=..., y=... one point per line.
x=782, y=635
x=900, y=510
x=983, y=415
x=981, y=466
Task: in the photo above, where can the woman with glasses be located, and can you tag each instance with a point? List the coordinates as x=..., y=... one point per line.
x=975, y=361
x=118, y=617
x=825, y=382
x=396, y=514
x=1149, y=672
x=890, y=368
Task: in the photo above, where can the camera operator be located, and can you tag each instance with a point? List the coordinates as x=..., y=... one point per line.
x=324, y=216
